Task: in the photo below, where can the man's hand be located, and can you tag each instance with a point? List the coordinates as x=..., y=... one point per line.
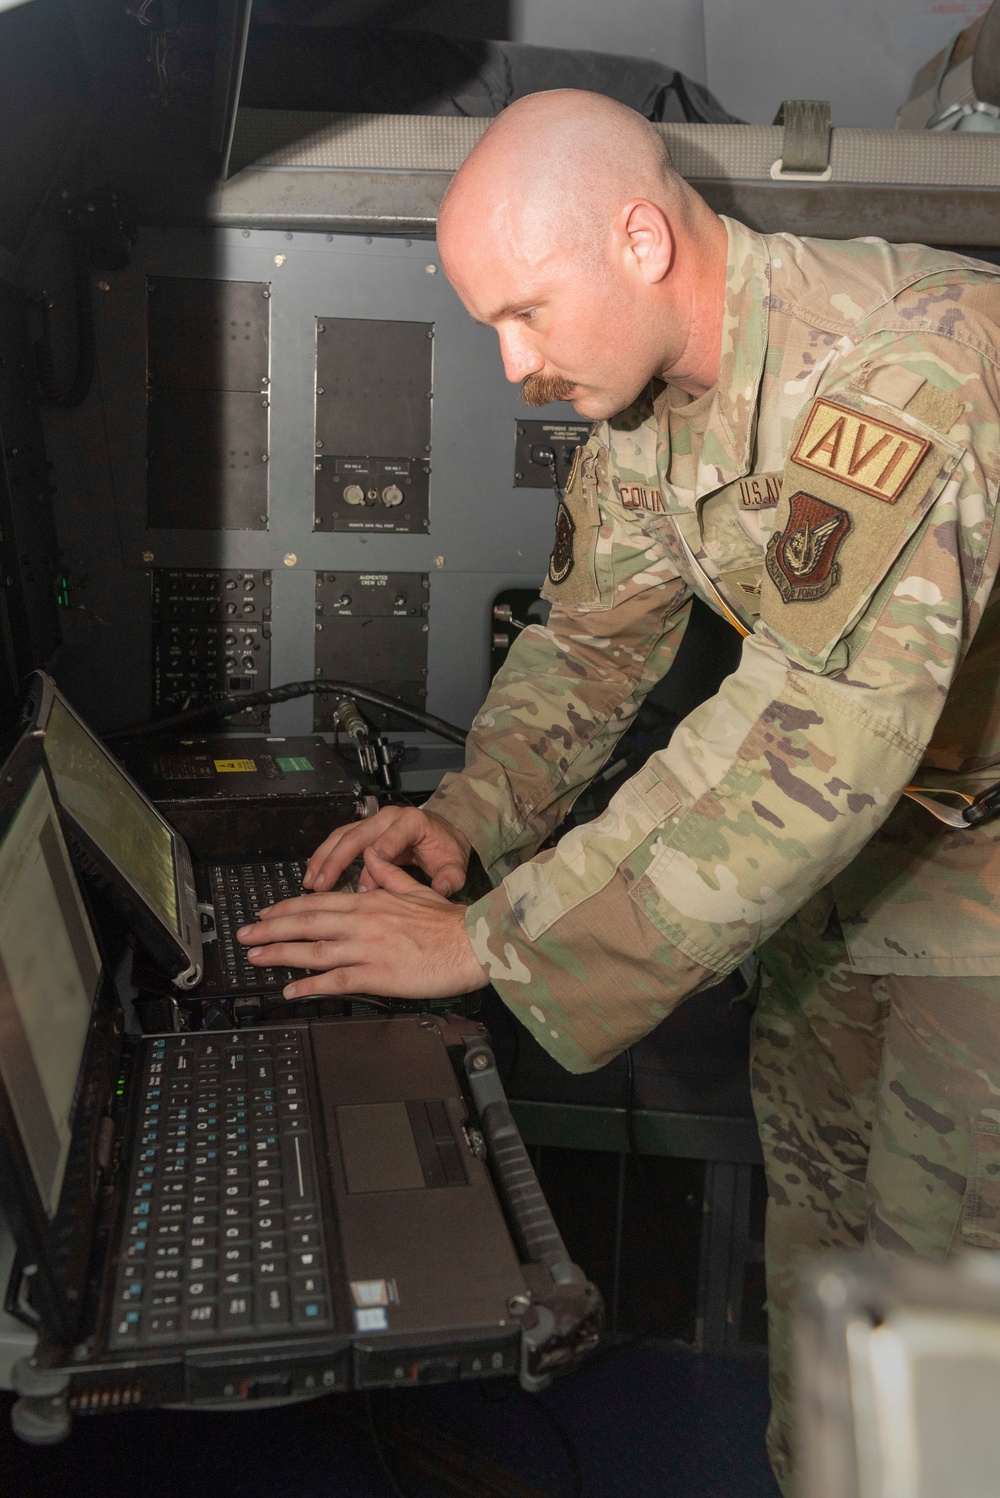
x=400, y=939
x=399, y=834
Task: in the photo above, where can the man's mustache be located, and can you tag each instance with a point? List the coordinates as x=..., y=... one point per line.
x=539, y=389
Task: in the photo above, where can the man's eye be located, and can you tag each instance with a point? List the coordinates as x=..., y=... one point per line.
x=526, y=315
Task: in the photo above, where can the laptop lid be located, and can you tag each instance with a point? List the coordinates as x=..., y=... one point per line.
x=59, y=1050
x=121, y=835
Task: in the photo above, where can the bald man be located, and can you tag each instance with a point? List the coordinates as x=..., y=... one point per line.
x=805, y=435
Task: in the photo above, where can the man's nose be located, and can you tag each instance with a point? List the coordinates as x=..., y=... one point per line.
x=519, y=358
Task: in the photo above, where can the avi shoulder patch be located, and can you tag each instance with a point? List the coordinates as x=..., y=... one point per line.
x=855, y=489
x=858, y=449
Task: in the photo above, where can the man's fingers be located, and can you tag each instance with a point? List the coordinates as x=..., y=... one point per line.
x=386, y=875
x=449, y=879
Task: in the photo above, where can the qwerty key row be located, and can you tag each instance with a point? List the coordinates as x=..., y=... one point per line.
x=223, y=1234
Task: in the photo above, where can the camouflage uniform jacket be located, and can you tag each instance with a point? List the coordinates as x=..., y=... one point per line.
x=836, y=492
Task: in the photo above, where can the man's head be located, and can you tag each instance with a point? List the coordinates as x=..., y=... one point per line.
x=568, y=230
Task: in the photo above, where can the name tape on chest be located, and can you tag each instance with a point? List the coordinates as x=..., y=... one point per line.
x=639, y=497
x=859, y=451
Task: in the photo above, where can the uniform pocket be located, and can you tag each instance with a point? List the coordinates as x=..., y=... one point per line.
x=981, y=1205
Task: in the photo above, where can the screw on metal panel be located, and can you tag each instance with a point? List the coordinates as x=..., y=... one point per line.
x=321, y=327
x=368, y=239
x=439, y=562
x=320, y=389
x=263, y=457
x=518, y=475
x=289, y=236
x=431, y=270
x=519, y=1305
x=147, y=556
x=319, y=627
x=266, y=295
x=246, y=233
x=424, y=628
x=319, y=442
x=289, y=559
x=319, y=466
x=318, y=671
x=265, y=403
x=262, y=519
x=264, y=380
x=430, y=332
x=480, y=1062
x=280, y=259
x=427, y=447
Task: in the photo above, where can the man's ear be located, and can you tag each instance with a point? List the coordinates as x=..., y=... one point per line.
x=646, y=239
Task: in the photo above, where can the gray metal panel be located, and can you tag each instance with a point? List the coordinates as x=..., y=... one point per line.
x=207, y=334
x=207, y=455
x=432, y=143
x=485, y=535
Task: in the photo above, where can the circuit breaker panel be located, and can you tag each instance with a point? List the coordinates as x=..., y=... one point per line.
x=371, y=628
x=373, y=424
x=211, y=638
x=207, y=401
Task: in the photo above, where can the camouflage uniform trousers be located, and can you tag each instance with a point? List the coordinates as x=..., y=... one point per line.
x=878, y=1104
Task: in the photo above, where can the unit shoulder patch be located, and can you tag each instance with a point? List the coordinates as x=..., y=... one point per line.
x=859, y=450
x=561, y=560
x=802, y=560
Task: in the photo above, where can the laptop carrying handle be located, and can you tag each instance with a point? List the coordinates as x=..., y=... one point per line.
x=541, y=1240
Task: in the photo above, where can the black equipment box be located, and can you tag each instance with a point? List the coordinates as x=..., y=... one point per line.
x=252, y=797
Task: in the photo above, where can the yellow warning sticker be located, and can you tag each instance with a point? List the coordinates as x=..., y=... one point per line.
x=235, y=766
x=859, y=451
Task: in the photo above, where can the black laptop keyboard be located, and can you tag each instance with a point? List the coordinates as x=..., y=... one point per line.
x=239, y=890
x=223, y=1235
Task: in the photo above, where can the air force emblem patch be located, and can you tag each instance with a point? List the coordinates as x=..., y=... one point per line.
x=859, y=451
x=802, y=560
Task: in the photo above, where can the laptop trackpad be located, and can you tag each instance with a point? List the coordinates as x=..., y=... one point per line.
x=378, y=1148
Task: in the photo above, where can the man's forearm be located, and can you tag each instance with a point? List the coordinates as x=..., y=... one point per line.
x=555, y=712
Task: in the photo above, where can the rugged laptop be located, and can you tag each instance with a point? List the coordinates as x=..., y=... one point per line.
x=209, y=1218
x=185, y=913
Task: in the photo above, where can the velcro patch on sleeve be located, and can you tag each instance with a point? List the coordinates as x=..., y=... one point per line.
x=843, y=519
x=571, y=574
x=858, y=449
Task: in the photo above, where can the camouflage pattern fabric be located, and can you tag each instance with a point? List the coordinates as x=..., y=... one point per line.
x=836, y=492
x=877, y=1103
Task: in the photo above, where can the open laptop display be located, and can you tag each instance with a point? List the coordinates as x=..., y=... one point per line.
x=187, y=914
x=277, y=1211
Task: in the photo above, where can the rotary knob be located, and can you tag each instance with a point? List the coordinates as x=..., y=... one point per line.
x=354, y=495
x=392, y=495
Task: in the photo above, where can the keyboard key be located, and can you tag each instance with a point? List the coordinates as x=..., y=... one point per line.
x=236, y=1311
x=273, y=1307
x=311, y=1312
x=200, y=1319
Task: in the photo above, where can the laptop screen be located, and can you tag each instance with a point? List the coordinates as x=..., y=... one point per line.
x=49, y=972
x=109, y=809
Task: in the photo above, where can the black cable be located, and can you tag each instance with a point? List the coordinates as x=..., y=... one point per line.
x=558, y=1430
x=380, y=1451
x=86, y=346
x=630, y=1117
x=573, y=1461
x=227, y=707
